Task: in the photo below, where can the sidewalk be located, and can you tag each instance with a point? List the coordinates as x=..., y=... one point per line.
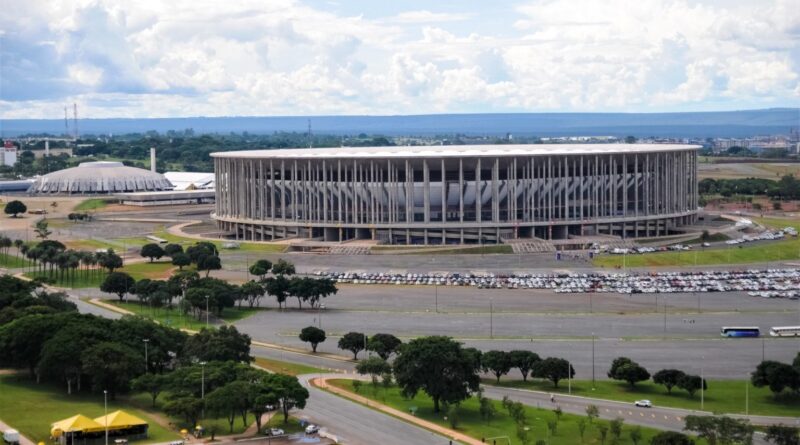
x=22, y=439
x=321, y=382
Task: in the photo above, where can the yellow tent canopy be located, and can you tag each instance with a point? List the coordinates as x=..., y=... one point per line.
x=74, y=424
x=119, y=420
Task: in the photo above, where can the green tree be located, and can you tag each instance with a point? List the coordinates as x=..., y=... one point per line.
x=636, y=434
x=554, y=369
x=592, y=412
x=283, y=267
x=353, y=342
x=581, y=423
x=223, y=344
x=631, y=373
x=486, y=409
x=630, y=139
x=260, y=269
x=288, y=391
x=671, y=438
x=615, y=426
x=783, y=435
x=41, y=229
x=438, y=366
x=252, y=291
x=109, y=260
x=602, y=430
x=153, y=384
x=185, y=406
x=524, y=361
x=229, y=400
x=723, y=430
x=172, y=249
x=152, y=251
x=278, y=287
x=498, y=362
x=208, y=263
x=22, y=340
x=692, y=384
x=453, y=415
x=111, y=366
x=384, y=345
x=668, y=377
x=374, y=367
x=181, y=260
x=776, y=375
x=118, y=283
x=15, y=207
x=312, y=335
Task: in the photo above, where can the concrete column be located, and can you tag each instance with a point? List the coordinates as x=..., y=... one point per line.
x=426, y=192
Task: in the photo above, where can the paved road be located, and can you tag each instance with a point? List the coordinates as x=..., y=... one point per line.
x=355, y=424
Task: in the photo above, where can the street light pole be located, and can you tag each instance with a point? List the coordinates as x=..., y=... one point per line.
x=366, y=351
x=105, y=412
x=146, y=362
x=569, y=377
x=592, y=361
x=491, y=316
x=436, y=296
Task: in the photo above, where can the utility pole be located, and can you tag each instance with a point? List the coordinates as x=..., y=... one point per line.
x=491, y=321
x=105, y=413
x=593, y=361
x=207, y=297
x=436, y=296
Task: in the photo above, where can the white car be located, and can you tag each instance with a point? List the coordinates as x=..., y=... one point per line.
x=643, y=403
x=312, y=429
x=276, y=432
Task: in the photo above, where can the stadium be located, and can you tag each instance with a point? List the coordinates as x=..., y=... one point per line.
x=456, y=194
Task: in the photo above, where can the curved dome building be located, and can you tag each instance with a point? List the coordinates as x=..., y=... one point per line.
x=100, y=178
x=457, y=194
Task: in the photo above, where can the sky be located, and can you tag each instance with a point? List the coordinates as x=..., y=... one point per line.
x=181, y=58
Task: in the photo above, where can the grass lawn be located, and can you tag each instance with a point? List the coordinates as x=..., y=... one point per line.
x=738, y=254
x=91, y=204
x=243, y=246
x=290, y=427
x=12, y=261
x=470, y=422
x=289, y=368
x=173, y=317
x=158, y=270
x=31, y=408
x=722, y=396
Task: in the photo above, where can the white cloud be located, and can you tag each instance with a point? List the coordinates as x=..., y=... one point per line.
x=249, y=57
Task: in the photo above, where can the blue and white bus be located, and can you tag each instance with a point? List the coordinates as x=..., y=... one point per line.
x=785, y=331
x=740, y=331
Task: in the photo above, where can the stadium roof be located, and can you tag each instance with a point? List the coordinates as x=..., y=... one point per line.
x=100, y=177
x=457, y=151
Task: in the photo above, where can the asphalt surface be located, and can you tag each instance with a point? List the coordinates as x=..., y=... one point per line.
x=354, y=424
x=553, y=325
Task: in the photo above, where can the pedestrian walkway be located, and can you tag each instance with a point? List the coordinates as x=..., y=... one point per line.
x=321, y=382
x=22, y=439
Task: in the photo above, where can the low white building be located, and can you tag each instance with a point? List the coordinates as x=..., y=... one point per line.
x=190, y=180
x=8, y=154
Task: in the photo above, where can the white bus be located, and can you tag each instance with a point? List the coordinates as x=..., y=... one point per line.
x=785, y=331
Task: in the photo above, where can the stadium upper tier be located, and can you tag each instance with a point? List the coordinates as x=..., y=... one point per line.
x=450, y=151
x=456, y=194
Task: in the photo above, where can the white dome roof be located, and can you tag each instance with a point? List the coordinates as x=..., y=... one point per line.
x=100, y=177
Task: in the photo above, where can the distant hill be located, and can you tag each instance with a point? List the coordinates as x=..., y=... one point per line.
x=694, y=124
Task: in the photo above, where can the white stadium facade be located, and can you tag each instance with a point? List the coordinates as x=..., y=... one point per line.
x=456, y=194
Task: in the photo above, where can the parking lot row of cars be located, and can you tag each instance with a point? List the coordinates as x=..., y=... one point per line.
x=763, y=236
x=781, y=283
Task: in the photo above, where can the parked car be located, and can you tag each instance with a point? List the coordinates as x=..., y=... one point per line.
x=643, y=403
x=312, y=429
x=276, y=432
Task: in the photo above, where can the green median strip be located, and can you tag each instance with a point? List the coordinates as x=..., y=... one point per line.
x=722, y=396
